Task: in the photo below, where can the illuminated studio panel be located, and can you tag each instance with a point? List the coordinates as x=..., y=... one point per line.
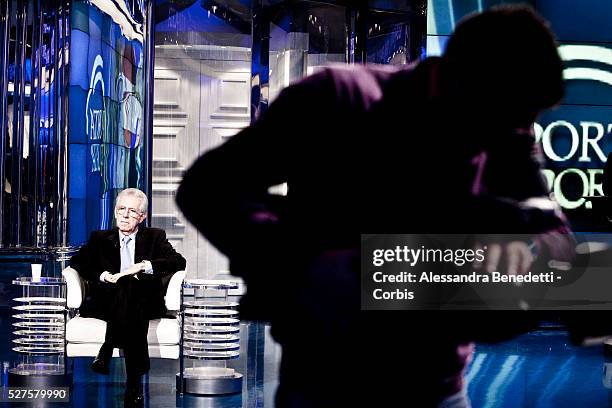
x=575, y=137
x=107, y=147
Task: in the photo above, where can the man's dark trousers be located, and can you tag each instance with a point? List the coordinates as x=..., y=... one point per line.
x=125, y=307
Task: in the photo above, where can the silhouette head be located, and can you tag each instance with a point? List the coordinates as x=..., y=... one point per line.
x=502, y=65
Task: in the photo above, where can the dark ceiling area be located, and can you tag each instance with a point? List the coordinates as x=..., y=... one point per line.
x=325, y=21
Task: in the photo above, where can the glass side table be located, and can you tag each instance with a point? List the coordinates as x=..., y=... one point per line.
x=39, y=319
x=210, y=336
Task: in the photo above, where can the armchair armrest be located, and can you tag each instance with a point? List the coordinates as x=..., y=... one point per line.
x=173, y=293
x=74, y=288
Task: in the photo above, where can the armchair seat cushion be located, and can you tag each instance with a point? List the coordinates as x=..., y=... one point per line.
x=90, y=330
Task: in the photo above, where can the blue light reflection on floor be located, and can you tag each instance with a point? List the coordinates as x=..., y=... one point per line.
x=538, y=370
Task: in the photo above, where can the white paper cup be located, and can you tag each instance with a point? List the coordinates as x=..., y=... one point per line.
x=36, y=271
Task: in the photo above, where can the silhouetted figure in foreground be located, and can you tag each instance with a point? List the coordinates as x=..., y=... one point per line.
x=445, y=146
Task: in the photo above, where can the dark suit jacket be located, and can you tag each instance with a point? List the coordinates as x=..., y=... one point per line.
x=101, y=253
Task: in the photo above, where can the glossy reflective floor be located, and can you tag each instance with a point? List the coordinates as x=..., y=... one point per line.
x=540, y=369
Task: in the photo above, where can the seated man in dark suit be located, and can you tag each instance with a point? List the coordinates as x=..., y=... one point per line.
x=127, y=269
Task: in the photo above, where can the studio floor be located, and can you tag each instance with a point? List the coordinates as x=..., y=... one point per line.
x=540, y=369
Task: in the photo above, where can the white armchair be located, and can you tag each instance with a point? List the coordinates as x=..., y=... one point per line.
x=85, y=335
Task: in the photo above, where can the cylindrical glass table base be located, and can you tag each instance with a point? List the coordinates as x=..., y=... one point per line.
x=39, y=319
x=210, y=338
x=210, y=381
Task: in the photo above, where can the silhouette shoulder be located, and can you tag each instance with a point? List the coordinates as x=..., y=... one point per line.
x=356, y=84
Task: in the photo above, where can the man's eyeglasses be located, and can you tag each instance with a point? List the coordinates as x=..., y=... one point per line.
x=132, y=212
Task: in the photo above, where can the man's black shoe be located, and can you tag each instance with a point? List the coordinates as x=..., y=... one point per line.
x=100, y=366
x=102, y=362
x=133, y=397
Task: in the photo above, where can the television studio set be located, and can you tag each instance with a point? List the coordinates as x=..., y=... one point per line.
x=306, y=203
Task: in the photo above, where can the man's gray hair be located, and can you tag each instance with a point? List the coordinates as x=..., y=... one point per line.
x=134, y=192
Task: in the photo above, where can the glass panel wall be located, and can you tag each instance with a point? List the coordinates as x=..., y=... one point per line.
x=304, y=36
x=108, y=135
x=73, y=105
x=34, y=45
x=219, y=63
x=202, y=97
x=308, y=35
